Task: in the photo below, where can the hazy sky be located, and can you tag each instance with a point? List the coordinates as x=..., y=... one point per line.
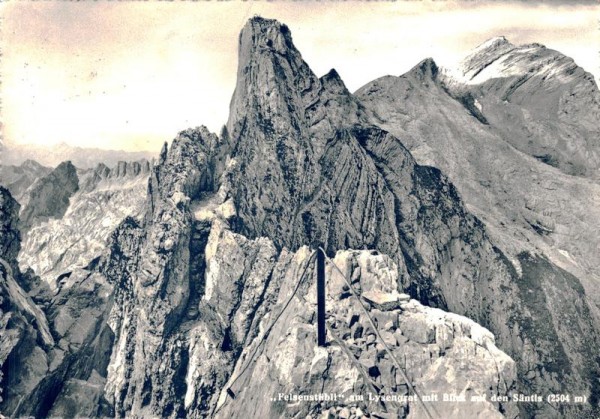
x=131, y=75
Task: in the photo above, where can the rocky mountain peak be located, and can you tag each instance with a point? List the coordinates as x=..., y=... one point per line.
x=49, y=196
x=65, y=169
x=272, y=77
x=483, y=56
x=498, y=58
x=132, y=168
x=31, y=165
x=556, y=101
x=265, y=34
x=17, y=179
x=70, y=227
x=102, y=170
x=494, y=43
x=123, y=169
x=168, y=319
x=426, y=70
x=333, y=82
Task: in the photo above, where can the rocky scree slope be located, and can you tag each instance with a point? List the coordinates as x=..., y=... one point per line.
x=543, y=220
x=69, y=215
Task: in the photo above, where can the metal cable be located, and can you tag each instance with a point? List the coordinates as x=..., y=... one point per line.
x=266, y=334
x=387, y=349
x=358, y=366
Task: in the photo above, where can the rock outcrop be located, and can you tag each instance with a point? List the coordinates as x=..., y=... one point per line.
x=311, y=168
x=23, y=325
x=348, y=184
x=10, y=237
x=166, y=319
x=51, y=347
x=445, y=355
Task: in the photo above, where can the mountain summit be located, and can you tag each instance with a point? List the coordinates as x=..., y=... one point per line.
x=541, y=101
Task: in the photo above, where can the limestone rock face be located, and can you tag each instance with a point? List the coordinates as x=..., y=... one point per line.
x=533, y=212
x=194, y=300
x=311, y=168
x=315, y=165
x=158, y=267
x=10, y=237
x=53, y=349
x=23, y=325
x=356, y=363
x=56, y=246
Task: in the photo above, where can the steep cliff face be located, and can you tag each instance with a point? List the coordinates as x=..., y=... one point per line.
x=159, y=284
x=11, y=237
x=54, y=347
x=311, y=168
x=349, y=184
x=23, y=325
x=64, y=374
x=532, y=211
x=56, y=246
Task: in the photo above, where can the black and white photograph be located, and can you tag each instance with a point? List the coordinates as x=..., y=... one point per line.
x=300, y=209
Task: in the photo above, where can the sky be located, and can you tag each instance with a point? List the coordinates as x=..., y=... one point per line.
x=131, y=75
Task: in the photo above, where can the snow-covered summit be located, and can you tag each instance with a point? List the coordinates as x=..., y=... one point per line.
x=499, y=58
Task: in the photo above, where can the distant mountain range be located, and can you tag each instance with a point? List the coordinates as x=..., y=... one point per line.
x=83, y=158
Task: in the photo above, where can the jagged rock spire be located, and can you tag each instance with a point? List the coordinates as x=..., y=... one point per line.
x=271, y=74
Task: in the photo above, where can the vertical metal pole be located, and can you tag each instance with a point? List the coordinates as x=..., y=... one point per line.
x=320, y=297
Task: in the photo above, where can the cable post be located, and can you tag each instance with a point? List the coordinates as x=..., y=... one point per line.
x=321, y=331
